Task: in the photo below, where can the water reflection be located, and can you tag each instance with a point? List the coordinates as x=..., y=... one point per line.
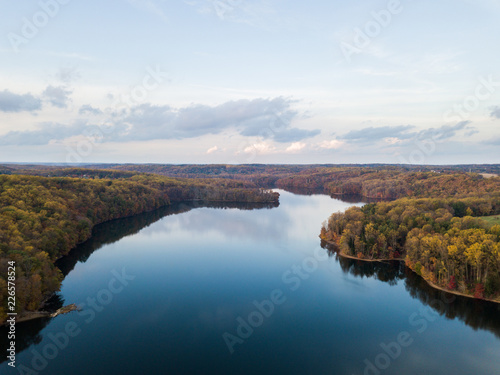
x=354, y=198
x=113, y=231
x=303, y=191
x=197, y=289
x=477, y=314
x=28, y=332
x=230, y=224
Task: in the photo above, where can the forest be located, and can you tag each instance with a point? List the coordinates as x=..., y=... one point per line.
x=432, y=220
x=391, y=183
x=371, y=181
x=380, y=181
x=444, y=240
x=43, y=218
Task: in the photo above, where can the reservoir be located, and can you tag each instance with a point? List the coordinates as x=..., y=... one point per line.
x=247, y=289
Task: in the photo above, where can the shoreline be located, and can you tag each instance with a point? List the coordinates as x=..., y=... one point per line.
x=37, y=314
x=363, y=259
x=32, y=315
x=382, y=260
x=431, y=284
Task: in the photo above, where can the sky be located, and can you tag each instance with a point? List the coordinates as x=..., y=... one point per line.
x=240, y=81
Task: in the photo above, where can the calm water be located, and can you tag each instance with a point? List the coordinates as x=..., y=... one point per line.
x=176, y=292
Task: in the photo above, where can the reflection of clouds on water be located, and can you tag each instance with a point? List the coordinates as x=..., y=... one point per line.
x=309, y=212
x=230, y=223
x=184, y=300
x=298, y=218
x=239, y=224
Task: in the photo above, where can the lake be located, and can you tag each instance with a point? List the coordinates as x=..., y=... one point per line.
x=245, y=289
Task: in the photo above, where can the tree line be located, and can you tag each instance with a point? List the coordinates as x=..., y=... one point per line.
x=392, y=183
x=444, y=240
x=42, y=218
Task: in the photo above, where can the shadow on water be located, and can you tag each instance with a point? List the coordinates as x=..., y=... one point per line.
x=474, y=313
x=28, y=332
x=112, y=231
x=478, y=314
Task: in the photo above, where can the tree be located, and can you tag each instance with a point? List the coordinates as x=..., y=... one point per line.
x=452, y=285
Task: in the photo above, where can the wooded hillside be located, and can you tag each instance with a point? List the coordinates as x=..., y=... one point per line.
x=442, y=240
x=42, y=218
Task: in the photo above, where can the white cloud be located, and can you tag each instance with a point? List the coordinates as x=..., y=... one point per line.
x=12, y=102
x=295, y=147
x=268, y=119
x=58, y=96
x=333, y=144
x=260, y=148
x=67, y=74
x=392, y=140
x=212, y=150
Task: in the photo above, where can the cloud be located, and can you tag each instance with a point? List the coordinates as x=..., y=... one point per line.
x=495, y=112
x=265, y=118
x=45, y=133
x=445, y=131
x=88, y=109
x=373, y=134
x=11, y=102
x=294, y=134
x=471, y=133
x=333, y=144
x=401, y=134
x=295, y=147
x=492, y=141
x=58, y=96
x=68, y=74
x=392, y=140
x=212, y=150
x=260, y=148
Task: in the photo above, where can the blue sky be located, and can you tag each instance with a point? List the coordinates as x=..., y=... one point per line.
x=237, y=81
